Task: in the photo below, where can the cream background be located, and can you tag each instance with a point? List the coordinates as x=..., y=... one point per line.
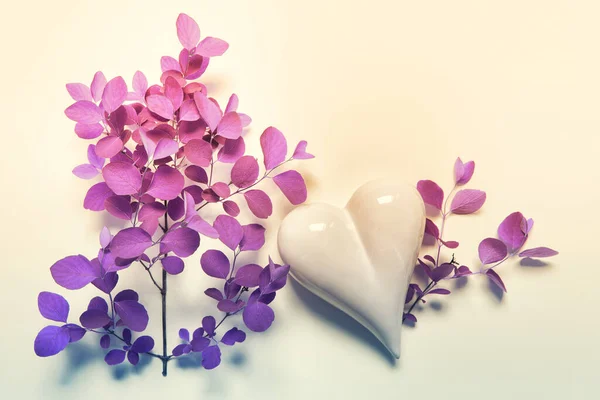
x=379, y=89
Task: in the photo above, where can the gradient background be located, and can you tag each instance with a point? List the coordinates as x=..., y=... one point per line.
x=394, y=89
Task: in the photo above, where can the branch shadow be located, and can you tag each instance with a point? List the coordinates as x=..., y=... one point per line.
x=495, y=290
x=340, y=320
x=532, y=262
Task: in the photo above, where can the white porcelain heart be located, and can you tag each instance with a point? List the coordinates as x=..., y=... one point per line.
x=360, y=258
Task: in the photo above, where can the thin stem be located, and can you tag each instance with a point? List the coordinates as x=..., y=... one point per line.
x=444, y=216
x=431, y=285
x=151, y=276
x=163, y=293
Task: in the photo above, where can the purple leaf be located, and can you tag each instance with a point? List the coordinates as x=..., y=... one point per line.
x=160, y=105
x=119, y=207
x=133, y=314
x=114, y=94
x=133, y=357
x=97, y=86
x=214, y=263
x=229, y=306
x=96, y=195
x=214, y=293
x=93, y=319
x=127, y=294
x=53, y=306
x=143, y=344
x=463, y=171
x=188, y=111
x=492, y=250
x=76, y=333
x=409, y=317
x=292, y=185
x=173, y=265
x=233, y=336
x=199, y=343
x=211, y=47
x=451, y=244
x=181, y=349
x=221, y=189
x=274, y=147
x=259, y=203
x=208, y=110
x=254, y=237
x=84, y=112
x=115, y=357
x=431, y=228
x=169, y=64
x=85, y=171
x=209, y=325
x=105, y=341
x=88, y=131
x=181, y=241
x=230, y=231
x=74, y=272
x=211, y=357
x=130, y=243
x=188, y=31
x=439, y=291
x=511, y=231
x=79, y=91
x=463, y=270
x=198, y=152
x=258, y=317
x=176, y=208
x=140, y=83
x=538, y=252
x=231, y=208
x=184, y=334
x=109, y=146
x=248, y=275
x=106, y=283
x=244, y=172
x=196, y=174
x=441, y=272
x=98, y=303
x=201, y=226
x=51, y=340
x=494, y=277
x=232, y=150
x=300, y=152
x=467, y=201
x=431, y=193
x=122, y=178
x=167, y=183
x=93, y=158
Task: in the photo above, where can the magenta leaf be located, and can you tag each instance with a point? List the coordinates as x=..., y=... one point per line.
x=463, y=171
x=431, y=228
x=259, y=203
x=230, y=126
x=492, y=250
x=538, y=252
x=442, y=272
x=244, y=172
x=300, y=152
x=292, y=185
x=74, y=272
x=88, y=131
x=140, y=83
x=467, y=201
x=208, y=110
x=167, y=183
x=248, y=275
x=196, y=174
x=214, y=263
x=439, y=291
x=254, y=237
x=230, y=231
x=231, y=208
x=173, y=265
x=84, y=112
x=97, y=86
x=494, y=277
x=130, y=243
x=169, y=64
x=115, y=357
x=85, y=171
x=114, y=94
x=51, y=340
x=274, y=147
x=198, y=152
x=53, y=306
x=96, y=195
x=431, y=193
x=511, y=231
x=451, y=244
x=122, y=178
x=133, y=314
x=258, y=316
x=188, y=31
x=109, y=146
x=232, y=150
x=119, y=206
x=181, y=241
x=211, y=47
x=79, y=91
x=160, y=105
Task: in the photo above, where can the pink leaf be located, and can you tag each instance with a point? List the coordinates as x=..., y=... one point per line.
x=97, y=86
x=467, y=201
x=208, y=110
x=201, y=226
x=492, y=250
x=188, y=111
x=164, y=148
x=93, y=158
x=292, y=185
x=274, y=147
x=232, y=150
x=160, y=105
x=196, y=174
x=431, y=228
x=300, y=152
x=114, y=94
x=211, y=47
x=244, y=172
x=88, y=131
x=96, y=195
x=259, y=203
x=84, y=112
x=109, y=146
x=167, y=183
x=230, y=126
x=169, y=64
x=188, y=31
x=140, y=83
x=431, y=193
x=231, y=208
x=494, y=277
x=538, y=252
x=198, y=152
x=119, y=206
x=79, y=91
x=463, y=171
x=451, y=244
x=232, y=104
x=173, y=92
x=230, y=231
x=122, y=178
x=511, y=231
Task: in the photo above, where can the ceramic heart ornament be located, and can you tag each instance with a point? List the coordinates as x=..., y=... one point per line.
x=359, y=258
